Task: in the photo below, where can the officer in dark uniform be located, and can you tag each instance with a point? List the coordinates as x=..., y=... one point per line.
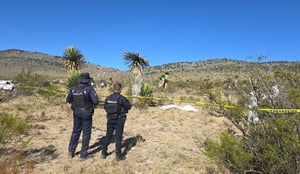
x=83, y=99
x=116, y=125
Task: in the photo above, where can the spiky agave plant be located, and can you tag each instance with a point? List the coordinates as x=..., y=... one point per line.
x=146, y=93
x=73, y=58
x=147, y=90
x=73, y=79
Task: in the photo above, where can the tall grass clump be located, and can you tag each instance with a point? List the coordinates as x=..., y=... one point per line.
x=13, y=139
x=11, y=131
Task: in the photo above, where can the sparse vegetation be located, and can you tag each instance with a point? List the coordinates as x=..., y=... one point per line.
x=11, y=131
x=270, y=145
x=173, y=140
x=28, y=82
x=13, y=139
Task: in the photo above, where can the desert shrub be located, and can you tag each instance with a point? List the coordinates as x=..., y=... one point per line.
x=271, y=144
x=11, y=130
x=172, y=87
x=146, y=94
x=26, y=78
x=270, y=147
x=28, y=82
x=191, y=86
x=16, y=163
x=230, y=152
x=146, y=90
x=204, y=84
x=276, y=144
x=294, y=95
x=181, y=84
x=52, y=93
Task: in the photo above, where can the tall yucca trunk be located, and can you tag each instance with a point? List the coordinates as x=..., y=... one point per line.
x=137, y=83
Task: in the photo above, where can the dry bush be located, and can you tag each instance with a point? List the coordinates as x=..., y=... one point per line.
x=16, y=163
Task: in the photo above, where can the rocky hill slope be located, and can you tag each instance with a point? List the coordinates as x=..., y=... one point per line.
x=14, y=61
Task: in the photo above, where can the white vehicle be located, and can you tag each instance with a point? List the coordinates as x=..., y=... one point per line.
x=7, y=85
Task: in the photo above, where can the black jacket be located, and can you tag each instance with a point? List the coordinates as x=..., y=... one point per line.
x=122, y=101
x=91, y=93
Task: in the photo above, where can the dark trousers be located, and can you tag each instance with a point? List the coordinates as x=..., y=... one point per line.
x=82, y=121
x=112, y=126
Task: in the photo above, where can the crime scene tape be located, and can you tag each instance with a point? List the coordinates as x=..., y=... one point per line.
x=182, y=101
x=223, y=106
x=61, y=93
x=279, y=110
x=44, y=89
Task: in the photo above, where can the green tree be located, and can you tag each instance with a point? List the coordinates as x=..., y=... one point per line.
x=136, y=64
x=73, y=58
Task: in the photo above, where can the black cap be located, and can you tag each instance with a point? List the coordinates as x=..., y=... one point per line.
x=85, y=78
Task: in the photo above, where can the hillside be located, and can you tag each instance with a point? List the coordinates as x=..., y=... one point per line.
x=215, y=65
x=14, y=61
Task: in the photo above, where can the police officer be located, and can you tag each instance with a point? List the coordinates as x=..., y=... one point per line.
x=116, y=125
x=83, y=99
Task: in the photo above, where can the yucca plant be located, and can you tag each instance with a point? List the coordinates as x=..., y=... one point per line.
x=136, y=64
x=73, y=79
x=73, y=58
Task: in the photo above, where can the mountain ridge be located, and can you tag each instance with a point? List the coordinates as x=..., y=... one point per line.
x=13, y=61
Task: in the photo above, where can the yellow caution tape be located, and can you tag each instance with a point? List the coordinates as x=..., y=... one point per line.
x=229, y=107
x=279, y=110
x=43, y=89
x=182, y=101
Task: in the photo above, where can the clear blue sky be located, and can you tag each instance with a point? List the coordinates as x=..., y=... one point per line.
x=164, y=31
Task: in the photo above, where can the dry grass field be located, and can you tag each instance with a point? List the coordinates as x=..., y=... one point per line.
x=154, y=141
